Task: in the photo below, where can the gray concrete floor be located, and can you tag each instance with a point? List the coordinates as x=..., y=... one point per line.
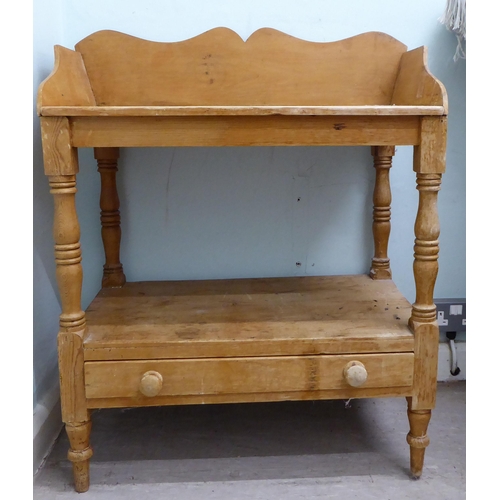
x=289, y=450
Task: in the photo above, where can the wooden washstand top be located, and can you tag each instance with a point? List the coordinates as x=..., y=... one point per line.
x=110, y=74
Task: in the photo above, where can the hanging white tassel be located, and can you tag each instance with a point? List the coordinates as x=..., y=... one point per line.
x=454, y=20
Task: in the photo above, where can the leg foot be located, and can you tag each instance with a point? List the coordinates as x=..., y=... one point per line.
x=79, y=453
x=417, y=438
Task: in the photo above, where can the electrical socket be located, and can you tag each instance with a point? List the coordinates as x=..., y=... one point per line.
x=441, y=320
x=451, y=315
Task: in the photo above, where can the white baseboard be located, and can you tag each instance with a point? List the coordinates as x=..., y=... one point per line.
x=47, y=425
x=445, y=361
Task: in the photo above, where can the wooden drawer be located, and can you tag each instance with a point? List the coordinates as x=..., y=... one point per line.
x=122, y=379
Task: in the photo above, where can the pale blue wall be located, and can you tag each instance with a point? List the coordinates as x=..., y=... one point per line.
x=47, y=31
x=214, y=213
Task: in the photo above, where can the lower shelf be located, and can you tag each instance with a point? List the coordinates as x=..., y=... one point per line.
x=248, y=317
x=248, y=340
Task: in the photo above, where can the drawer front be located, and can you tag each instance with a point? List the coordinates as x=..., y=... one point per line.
x=131, y=379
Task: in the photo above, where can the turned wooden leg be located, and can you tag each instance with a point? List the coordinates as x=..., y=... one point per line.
x=417, y=438
x=423, y=319
x=61, y=167
x=382, y=160
x=425, y=264
x=72, y=327
x=79, y=453
x=429, y=165
x=107, y=165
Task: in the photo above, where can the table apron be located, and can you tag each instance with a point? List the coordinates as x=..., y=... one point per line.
x=279, y=130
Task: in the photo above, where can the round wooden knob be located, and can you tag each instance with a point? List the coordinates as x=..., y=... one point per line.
x=355, y=373
x=151, y=384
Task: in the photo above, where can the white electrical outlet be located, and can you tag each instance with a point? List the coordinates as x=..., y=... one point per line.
x=440, y=319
